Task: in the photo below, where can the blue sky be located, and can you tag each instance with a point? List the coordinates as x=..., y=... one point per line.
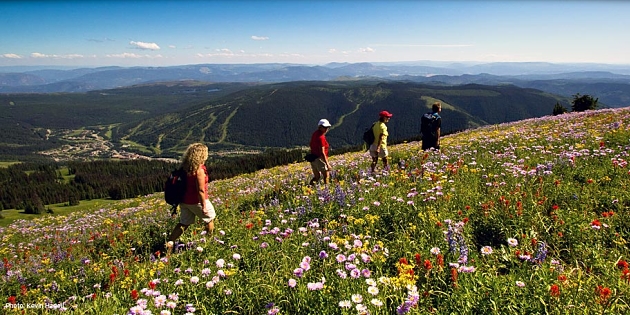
x=163, y=33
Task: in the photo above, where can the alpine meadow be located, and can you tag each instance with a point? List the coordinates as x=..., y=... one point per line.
x=525, y=217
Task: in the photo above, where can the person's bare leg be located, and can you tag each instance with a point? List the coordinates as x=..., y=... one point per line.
x=374, y=161
x=210, y=227
x=175, y=234
x=316, y=176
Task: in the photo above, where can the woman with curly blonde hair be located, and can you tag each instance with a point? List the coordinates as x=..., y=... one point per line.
x=195, y=202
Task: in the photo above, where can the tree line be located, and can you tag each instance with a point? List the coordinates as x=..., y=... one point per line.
x=580, y=103
x=30, y=186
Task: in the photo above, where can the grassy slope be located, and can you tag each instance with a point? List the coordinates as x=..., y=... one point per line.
x=559, y=181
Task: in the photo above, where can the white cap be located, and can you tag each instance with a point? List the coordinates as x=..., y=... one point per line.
x=324, y=123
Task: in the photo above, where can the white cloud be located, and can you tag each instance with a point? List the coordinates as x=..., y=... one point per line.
x=332, y=50
x=291, y=55
x=254, y=37
x=38, y=55
x=172, y=46
x=69, y=56
x=134, y=56
x=224, y=52
x=145, y=46
x=125, y=56
x=11, y=56
x=424, y=45
x=366, y=50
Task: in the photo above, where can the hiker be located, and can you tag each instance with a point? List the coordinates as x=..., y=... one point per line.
x=431, y=124
x=379, y=147
x=195, y=202
x=319, y=147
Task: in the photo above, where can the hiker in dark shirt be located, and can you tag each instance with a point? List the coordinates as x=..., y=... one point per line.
x=431, y=124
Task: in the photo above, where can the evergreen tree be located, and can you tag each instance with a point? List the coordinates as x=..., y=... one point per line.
x=583, y=102
x=38, y=205
x=73, y=200
x=559, y=109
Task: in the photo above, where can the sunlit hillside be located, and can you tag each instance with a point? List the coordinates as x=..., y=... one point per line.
x=530, y=217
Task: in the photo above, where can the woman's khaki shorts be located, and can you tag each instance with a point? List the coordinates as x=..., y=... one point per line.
x=188, y=212
x=382, y=153
x=319, y=165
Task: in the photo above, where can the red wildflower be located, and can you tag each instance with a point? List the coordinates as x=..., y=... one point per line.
x=465, y=220
x=249, y=225
x=622, y=264
x=427, y=264
x=152, y=285
x=467, y=207
x=562, y=278
x=440, y=260
x=418, y=259
x=534, y=242
x=454, y=275
x=12, y=299
x=126, y=272
x=115, y=270
x=112, y=277
x=555, y=207
x=554, y=290
x=403, y=261
x=23, y=290
x=603, y=293
x=134, y=294
x=596, y=223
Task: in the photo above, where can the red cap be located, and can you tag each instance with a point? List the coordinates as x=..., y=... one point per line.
x=385, y=114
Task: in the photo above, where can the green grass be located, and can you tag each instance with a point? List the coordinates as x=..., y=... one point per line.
x=136, y=146
x=59, y=209
x=7, y=163
x=530, y=217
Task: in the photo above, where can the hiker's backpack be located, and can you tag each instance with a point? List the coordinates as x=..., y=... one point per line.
x=427, y=125
x=368, y=136
x=175, y=188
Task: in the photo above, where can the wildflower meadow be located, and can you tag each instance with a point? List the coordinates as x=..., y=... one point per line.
x=529, y=217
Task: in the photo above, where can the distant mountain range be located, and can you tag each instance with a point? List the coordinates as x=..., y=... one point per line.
x=609, y=83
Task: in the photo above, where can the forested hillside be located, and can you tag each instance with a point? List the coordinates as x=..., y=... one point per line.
x=284, y=115
x=161, y=119
x=30, y=186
